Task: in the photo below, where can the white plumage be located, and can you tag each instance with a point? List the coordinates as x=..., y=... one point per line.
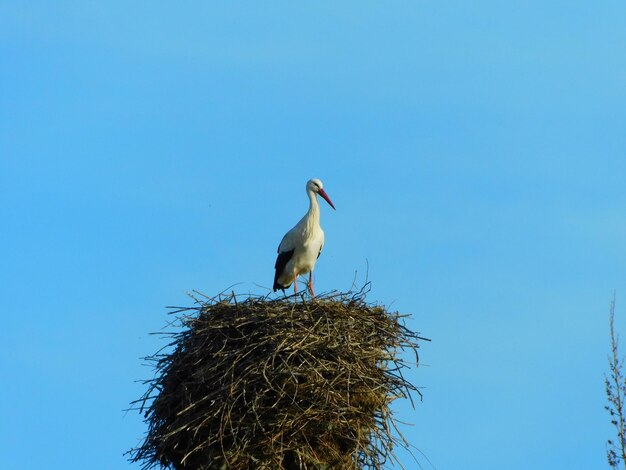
x=301, y=246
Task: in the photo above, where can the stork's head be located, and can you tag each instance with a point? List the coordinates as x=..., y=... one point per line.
x=315, y=185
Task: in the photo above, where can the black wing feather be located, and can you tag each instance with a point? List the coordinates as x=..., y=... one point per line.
x=281, y=262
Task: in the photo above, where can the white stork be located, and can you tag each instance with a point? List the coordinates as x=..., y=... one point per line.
x=302, y=245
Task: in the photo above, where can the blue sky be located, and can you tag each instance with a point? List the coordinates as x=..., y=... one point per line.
x=476, y=154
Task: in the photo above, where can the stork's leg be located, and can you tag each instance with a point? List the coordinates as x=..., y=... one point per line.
x=311, y=284
x=295, y=283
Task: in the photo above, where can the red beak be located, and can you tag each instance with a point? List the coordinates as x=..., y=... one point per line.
x=322, y=193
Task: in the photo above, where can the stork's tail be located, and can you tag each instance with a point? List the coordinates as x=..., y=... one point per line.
x=278, y=286
x=281, y=263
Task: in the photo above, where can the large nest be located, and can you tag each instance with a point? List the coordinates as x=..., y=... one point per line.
x=292, y=383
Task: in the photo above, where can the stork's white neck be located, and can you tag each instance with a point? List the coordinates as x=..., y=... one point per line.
x=314, y=206
x=313, y=214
